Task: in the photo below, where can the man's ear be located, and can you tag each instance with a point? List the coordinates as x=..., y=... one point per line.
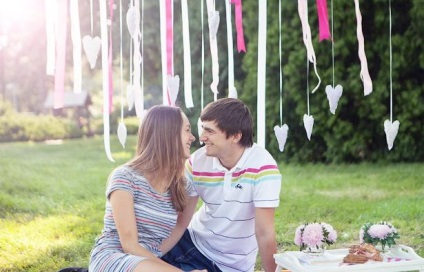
x=237, y=137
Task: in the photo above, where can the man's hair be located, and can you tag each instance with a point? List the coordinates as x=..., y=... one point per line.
x=232, y=116
x=160, y=151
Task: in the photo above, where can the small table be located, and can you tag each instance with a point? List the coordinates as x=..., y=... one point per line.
x=399, y=258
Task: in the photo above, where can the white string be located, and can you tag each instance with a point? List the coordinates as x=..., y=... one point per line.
x=142, y=49
x=120, y=59
x=203, y=55
x=307, y=84
x=281, y=74
x=390, y=43
x=91, y=16
x=332, y=37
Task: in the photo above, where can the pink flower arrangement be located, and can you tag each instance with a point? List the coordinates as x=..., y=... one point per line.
x=382, y=232
x=314, y=235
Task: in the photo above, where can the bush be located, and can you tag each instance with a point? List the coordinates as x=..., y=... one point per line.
x=24, y=127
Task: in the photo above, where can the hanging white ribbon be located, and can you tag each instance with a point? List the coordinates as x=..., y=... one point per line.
x=261, y=84
x=76, y=42
x=365, y=75
x=307, y=37
x=187, y=59
x=162, y=16
x=213, y=23
x=232, y=92
x=51, y=19
x=105, y=74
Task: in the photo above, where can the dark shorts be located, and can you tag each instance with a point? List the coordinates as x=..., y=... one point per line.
x=187, y=257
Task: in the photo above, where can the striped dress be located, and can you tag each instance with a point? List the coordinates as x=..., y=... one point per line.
x=223, y=228
x=155, y=217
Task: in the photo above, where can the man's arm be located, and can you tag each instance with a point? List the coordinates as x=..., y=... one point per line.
x=182, y=223
x=265, y=235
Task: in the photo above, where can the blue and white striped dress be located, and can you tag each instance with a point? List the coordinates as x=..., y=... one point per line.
x=155, y=217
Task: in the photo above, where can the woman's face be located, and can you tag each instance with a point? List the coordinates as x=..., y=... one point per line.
x=186, y=136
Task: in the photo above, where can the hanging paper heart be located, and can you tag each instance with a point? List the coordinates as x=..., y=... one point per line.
x=308, y=123
x=213, y=21
x=122, y=133
x=333, y=96
x=133, y=21
x=91, y=48
x=199, y=129
x=281, y=134
x=391, y=130
x=173, y=87
x=130, y=96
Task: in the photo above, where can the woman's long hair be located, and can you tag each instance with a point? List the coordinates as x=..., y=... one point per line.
x=160, y=152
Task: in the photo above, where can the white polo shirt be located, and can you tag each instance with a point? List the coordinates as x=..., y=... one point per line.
x=223, y=229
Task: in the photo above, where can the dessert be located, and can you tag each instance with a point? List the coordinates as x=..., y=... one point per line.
x=362, y=253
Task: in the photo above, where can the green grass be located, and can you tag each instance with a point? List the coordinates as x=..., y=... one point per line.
x=52, y=201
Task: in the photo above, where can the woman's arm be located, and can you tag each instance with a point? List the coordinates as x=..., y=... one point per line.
x=123, y=213
x=183, y=220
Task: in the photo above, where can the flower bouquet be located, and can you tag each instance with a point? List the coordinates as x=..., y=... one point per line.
x=382, y=232
x=312, y=237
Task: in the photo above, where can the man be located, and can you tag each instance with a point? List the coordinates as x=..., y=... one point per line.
x=239, y=183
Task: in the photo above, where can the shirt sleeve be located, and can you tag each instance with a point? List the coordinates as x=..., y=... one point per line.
x=267, y=187
x=119, y=179
x=191, y=189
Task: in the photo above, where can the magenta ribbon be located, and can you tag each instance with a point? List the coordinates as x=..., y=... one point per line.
x=169, y=42
x=239, y=25
x=324, y=29
x=59, y=77
x=110, y=58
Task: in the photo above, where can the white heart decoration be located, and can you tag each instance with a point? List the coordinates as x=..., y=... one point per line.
x=91, y=48
x=213, y=22
x=232, y=93
x=391, y=130
x=173, y=86
x=199, y=129
x=308, y=123
x=133, y=21
x=122, y=133
x=333, y=96
x=130, y=96
x=281, y=134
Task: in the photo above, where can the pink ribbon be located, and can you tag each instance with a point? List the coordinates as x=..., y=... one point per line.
x=324, y=29
x=239, y=25
x=59, y=78
x=169, y=42
x=110, y=58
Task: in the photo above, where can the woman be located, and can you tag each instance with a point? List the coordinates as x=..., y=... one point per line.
x=149, y=203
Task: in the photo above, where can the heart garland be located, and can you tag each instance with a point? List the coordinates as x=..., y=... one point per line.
x=391, y=129
x=122, y=133
x=333, y=96
x=133, y=21
x=173, y=87
x=91, y=47
x=308, y=123
x=213, y=22
x=281, y=134
x=199, y=129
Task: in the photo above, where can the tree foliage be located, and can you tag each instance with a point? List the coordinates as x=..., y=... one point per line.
x=355, y=132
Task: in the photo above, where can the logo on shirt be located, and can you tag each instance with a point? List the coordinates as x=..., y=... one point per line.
x=238, y=186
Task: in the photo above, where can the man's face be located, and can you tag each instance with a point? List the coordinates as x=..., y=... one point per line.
x=215, y=140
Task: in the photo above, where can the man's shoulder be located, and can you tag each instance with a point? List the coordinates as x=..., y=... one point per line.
x=259, y=154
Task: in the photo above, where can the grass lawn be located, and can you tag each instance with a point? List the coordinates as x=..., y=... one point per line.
x=52, y=201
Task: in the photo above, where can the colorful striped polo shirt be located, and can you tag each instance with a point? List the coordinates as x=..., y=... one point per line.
x=223, y=229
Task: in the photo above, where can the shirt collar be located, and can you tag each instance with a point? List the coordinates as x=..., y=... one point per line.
x=218, y=166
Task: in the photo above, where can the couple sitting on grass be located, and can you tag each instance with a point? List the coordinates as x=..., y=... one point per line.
x=150, y=223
